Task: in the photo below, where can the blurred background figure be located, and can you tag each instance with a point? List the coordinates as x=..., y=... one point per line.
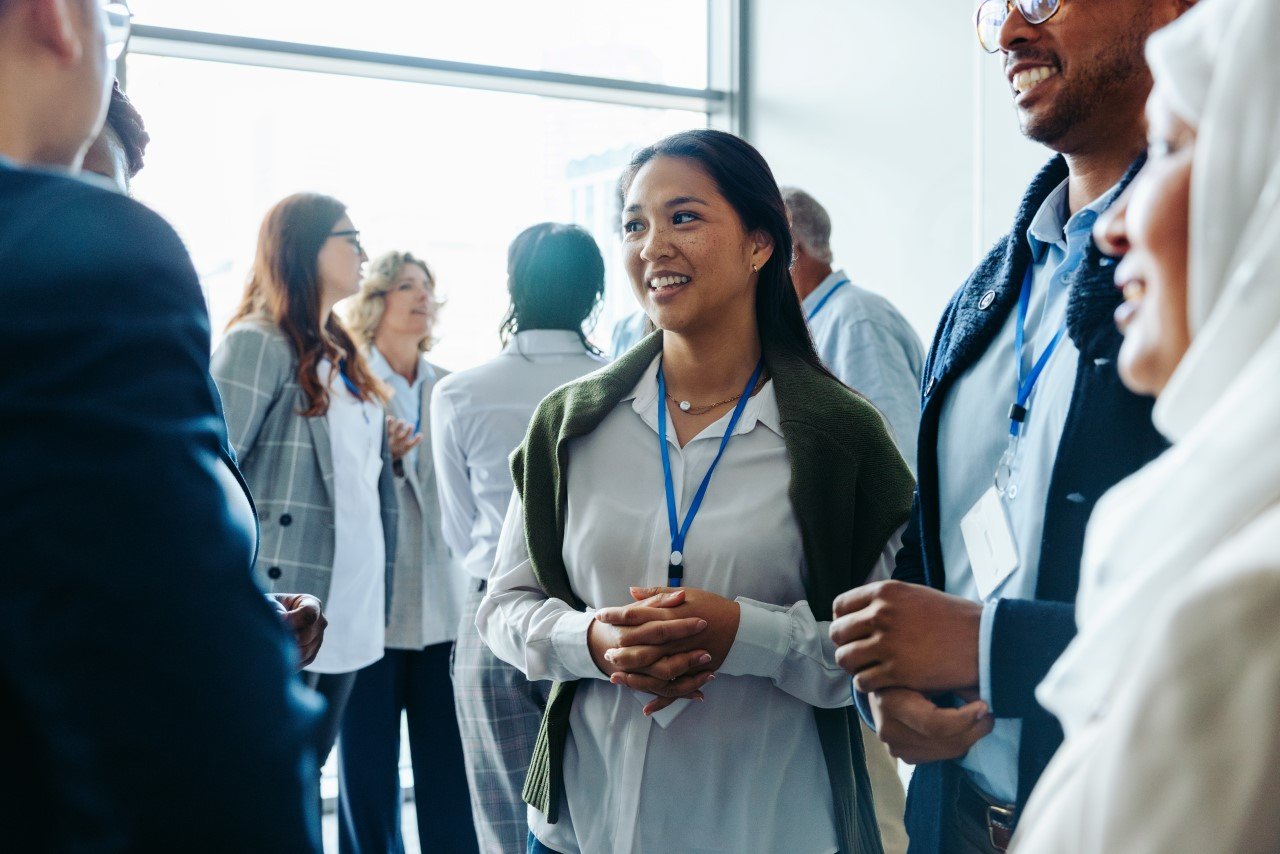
x=392, y=318
x=860, y=336
x=305, y=416
x=628, y=331
x=555, y=276
x=118, y=151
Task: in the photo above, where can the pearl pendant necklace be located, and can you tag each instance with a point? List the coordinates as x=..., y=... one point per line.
x=688, y=407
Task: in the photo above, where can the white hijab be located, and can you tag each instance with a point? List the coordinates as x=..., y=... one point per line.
x=1217, y=68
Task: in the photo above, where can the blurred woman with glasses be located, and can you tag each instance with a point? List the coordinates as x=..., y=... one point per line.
x=305, y=416
x=392, y=318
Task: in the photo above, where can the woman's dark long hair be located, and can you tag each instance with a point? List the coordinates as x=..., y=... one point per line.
x=555, y=276
x=285, y=287
x=747, y=184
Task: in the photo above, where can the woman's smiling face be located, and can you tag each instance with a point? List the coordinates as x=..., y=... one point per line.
x=689, y=257
x=1149, y=226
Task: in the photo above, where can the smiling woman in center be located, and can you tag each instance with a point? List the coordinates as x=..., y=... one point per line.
x=688, y=514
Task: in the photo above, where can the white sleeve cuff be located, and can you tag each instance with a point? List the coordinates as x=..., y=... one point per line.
x=764, y=637
x=986, y=630
x=569, y=639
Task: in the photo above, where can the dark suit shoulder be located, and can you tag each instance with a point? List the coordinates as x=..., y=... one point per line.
x=58, y=230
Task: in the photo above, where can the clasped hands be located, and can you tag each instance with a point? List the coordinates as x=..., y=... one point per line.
x=668, y=643
x=903, y=643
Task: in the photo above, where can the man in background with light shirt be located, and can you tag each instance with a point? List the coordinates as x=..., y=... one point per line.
x=1024, y=425
x=860, y=336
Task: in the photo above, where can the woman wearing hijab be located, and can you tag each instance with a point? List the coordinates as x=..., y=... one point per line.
x=717, y=456
x=1170, y=694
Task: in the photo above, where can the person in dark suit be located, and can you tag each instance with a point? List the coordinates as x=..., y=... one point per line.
x=147, y=688
x=1024, y=425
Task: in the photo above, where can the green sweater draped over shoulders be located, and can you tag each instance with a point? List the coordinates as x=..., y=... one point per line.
x=850, y=491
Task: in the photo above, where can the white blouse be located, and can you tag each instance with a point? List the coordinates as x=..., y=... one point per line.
x=357, y=595
x=743, y=771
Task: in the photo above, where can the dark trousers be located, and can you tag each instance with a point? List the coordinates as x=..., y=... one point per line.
x=417, y=683
x=336, y=689
x=964, y=832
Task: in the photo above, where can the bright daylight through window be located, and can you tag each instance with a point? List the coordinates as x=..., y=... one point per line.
x=449, y=172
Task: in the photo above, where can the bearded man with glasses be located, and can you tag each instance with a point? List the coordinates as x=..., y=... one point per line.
x=147, y=686
x=1024, y=425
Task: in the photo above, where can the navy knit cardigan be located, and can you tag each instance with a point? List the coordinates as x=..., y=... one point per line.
x=1108, y=435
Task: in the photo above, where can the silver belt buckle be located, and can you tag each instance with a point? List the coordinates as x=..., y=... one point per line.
x=1000, y=821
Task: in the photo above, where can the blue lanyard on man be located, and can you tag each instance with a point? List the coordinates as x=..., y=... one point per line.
x=1026, y=382
x=822, y=303
x=675, y=566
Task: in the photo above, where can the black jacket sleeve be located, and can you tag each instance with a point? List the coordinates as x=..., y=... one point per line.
x=909, y=563
x=1027, y=637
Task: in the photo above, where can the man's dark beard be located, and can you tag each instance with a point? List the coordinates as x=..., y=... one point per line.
x=1109, y=76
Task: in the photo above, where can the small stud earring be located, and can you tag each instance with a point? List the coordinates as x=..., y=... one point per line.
x=755, y=269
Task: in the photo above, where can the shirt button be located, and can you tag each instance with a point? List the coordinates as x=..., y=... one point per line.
x=286, y=520
x=987, y=299
x=273, y=573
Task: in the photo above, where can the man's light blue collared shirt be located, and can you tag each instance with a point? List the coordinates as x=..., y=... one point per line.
x=871, y=348
x=627, y=332
x=973, y=433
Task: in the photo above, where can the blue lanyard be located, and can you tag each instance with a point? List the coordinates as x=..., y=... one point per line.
x=352, y=387
x=1027, y=381
x=822, y=303
x=675, y=568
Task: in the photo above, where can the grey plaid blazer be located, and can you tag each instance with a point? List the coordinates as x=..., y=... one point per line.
x=287, y=461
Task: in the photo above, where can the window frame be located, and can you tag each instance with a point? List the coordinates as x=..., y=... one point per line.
x=723, y=100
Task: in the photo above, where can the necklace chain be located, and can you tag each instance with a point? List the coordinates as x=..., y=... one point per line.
x=689, y=409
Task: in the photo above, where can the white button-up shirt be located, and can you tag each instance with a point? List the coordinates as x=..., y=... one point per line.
x=478, y=417
x=357, y=595
x=743, y=771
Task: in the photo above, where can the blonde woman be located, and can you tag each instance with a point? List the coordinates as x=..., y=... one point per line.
x=392, y=318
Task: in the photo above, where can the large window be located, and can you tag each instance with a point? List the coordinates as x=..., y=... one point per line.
x=371, y=103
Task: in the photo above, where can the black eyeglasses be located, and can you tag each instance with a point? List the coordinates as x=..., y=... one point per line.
x=351, y=236
x=993, y=13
